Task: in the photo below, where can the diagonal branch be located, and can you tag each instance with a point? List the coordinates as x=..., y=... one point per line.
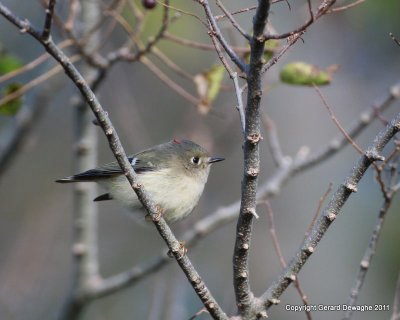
x=120, y=155
x=329, y=214
x=232, y=20
x=300, y=29
x=368, y=255
x=215, y=29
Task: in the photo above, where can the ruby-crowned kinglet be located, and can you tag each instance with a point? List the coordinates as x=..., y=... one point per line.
x=173, y=174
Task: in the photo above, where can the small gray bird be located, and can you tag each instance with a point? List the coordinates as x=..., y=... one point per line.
x=173, y=174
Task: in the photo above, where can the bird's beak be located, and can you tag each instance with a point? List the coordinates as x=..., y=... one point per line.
x=215, y=159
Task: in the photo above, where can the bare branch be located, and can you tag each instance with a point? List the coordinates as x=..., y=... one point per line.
x=120, y=155
x=73, y=10
x=236, y=12
x=273, y=140
x=198, y=45
x=336, y=121
x=317, y=212
x=167, y=80
x=366, y=260
x=360, y=124
x=35, y=82
x=329, y=214
x=233, y=75
x=232, y=20
x=171, y=64
x=342, y=8
x=239, y=107
x=33, y=64
x=299, y=30
x=244, y=296
x=294, y=37
x=48, y=20
x=282, y=261
x=215, y=29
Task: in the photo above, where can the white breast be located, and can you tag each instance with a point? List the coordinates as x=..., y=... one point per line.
x=176, y=195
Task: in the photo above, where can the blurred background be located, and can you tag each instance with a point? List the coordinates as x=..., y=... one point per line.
x=36, y=213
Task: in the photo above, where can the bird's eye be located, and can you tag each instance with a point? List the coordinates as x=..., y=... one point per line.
x=195, y=160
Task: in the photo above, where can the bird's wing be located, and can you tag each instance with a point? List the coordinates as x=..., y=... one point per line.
x=138, y=162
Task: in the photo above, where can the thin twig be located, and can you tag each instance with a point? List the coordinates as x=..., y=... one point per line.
x=219, y=17
x=233, y=75
x=348, y=6
x=239, y=99
x=354, y=130
x=191, y=14
x=33, y=83
x=33, y=64
x=298, y=30
x=201, y=311
x=282, y=261
x=72, y=13
x=167, y=80
x=368, y=255
x=317, y=212
x=198, y=45
x=232, y=20
x=336, y=121
x=293, y=38
x=215, y=29
x=171, y=64
x=273, y=140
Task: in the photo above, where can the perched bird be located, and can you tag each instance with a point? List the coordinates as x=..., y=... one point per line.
x=173, y=174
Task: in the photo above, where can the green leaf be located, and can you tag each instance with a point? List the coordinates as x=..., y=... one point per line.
x=214, y=76
x=208, y=85
x=304, y=74
x=9, y=63
x=11, y=107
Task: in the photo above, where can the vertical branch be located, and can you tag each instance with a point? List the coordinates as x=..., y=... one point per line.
x=48, y=21
x=244, y=296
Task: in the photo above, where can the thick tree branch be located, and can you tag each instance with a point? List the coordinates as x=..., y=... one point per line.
x=244, y=296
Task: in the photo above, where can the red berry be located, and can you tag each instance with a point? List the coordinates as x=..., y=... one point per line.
x=149, y=4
